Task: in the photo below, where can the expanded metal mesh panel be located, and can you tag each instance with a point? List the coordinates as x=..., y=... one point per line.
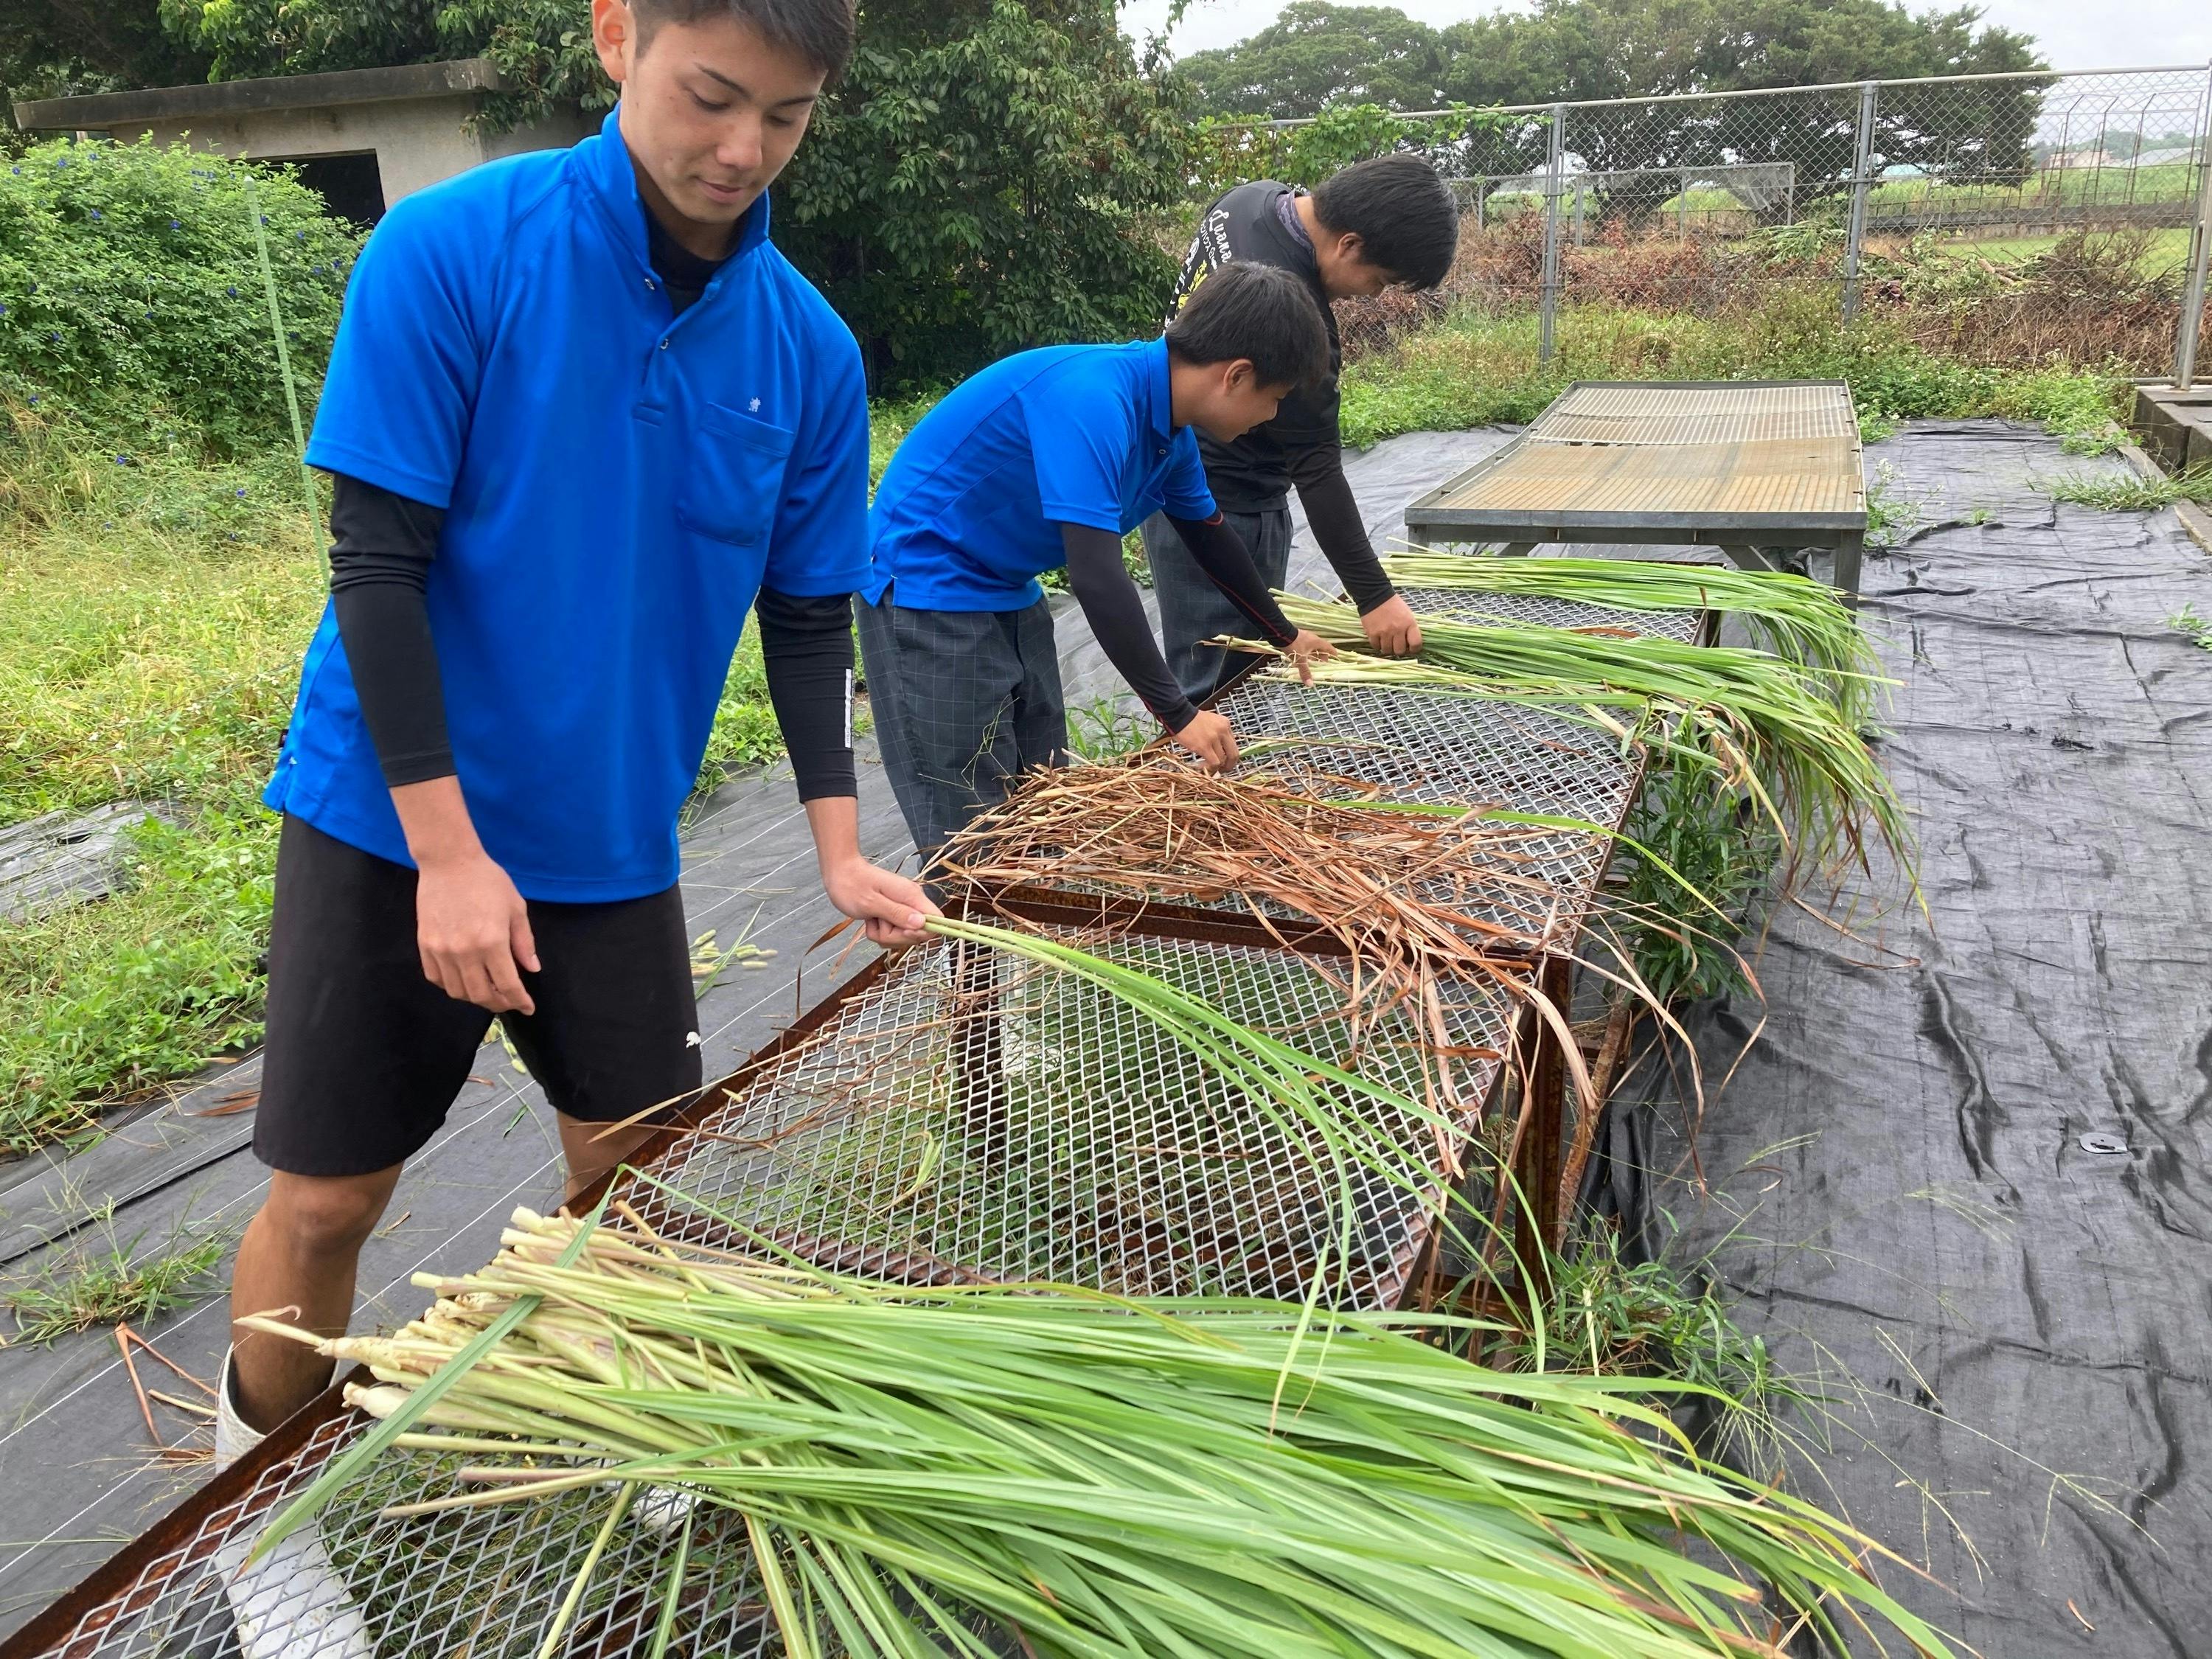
x=1519, y=767
x=1721, y=413
x=966, y=1115
x=971, y=1114
x=1792, y=476
x=1461, y=605
x=1430, y=746
x=486, y=1582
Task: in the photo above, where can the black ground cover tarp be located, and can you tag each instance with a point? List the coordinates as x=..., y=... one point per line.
x=2016, y=1333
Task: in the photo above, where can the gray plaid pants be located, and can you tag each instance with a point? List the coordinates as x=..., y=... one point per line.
x=964, y=703
x=1193, y=609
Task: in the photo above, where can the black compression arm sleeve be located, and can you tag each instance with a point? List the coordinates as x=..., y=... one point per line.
x=1333, y=517
x=381, y=547
x=1101, y=584
x=806, y=645
x=1221, y=553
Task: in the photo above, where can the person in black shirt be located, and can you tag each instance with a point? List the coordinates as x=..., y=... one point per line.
x=1377, y=224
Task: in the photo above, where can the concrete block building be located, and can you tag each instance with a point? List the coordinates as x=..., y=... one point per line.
x=363, y=138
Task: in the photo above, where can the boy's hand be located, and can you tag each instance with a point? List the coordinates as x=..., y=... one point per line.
x=1208, y=737
x=1390, y=628
x=891, y=908
x=1307, y=649
x=472, y=929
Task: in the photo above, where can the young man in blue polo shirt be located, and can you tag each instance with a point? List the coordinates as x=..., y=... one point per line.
x=1046, y=458
x=581, y=416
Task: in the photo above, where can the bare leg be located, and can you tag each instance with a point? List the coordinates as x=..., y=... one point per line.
x=589, y=1157
x=300, y=1252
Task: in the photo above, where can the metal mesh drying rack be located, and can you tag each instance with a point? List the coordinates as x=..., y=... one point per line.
x=1742, y=465
x=945, y=1115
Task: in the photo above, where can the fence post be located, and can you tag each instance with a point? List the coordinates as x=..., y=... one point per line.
x=1682, y=207
x=1553, y=173
x=1862, y=167
x=2200, y=253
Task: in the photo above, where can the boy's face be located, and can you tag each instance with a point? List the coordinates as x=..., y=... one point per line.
x=1231, y=401
x=711, y=112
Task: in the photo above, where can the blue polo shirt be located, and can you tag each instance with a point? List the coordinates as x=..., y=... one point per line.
x=617, y=481
x=967, y=514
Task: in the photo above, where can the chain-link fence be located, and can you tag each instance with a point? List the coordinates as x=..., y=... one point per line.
x=2009, y=219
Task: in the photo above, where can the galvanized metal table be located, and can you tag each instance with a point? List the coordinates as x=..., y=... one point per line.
x=1751, y=467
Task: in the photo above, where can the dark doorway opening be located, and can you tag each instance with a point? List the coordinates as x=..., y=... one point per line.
x=349, y=184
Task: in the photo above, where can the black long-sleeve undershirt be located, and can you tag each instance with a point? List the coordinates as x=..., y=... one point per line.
x=381, y=551
x=1333, y=515
x=1101, y=584
x=381, y=545
x=806, y=645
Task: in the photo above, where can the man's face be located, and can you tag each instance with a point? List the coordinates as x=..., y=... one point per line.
x=711, y=112
x=1235, y=402
x=1346, y=273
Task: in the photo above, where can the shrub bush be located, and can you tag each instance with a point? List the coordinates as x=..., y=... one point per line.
x=130, y=289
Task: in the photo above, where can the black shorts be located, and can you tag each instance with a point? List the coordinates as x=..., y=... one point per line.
x=365, y=1055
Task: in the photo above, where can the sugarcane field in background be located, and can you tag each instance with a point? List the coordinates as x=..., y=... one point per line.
x=1106, y=1477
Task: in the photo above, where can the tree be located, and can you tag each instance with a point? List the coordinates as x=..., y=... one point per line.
x=56, y=48
x=986, y=177
x=246, y=38
x=1576, y=51
x=1317, y=54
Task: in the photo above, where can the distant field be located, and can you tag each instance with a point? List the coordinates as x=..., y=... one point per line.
x=2167, y=250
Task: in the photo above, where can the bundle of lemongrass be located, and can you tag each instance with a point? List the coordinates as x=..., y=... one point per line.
x=1111, y=1478
x=1794, y=617
x=1760, y=717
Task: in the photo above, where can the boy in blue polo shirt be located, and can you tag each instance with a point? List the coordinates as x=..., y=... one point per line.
x=1046, y=458
x=581, y=416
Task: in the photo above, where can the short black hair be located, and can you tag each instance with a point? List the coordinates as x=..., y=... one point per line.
x=1259, y=313
x=1401, y=211
x=820, y=31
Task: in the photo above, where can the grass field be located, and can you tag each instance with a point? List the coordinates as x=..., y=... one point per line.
x=1474, y=369
x=152, y=610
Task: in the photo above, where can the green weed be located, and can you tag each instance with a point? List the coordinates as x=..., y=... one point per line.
x=1613, y=1317
x=108, y=1284
x=2198, y=630
x=1717, y=841
x=1106, y=727
x=1889, y=515
x=2128, y=492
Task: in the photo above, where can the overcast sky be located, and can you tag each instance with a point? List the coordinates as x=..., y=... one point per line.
x=2075, y=34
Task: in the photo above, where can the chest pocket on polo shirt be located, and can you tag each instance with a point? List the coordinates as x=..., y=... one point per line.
x=734, y=478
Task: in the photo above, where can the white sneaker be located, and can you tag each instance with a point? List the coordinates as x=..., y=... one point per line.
x=292, y=1603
